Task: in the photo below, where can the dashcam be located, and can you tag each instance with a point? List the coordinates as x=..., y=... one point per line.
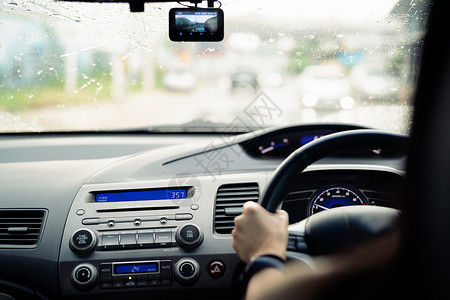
x=196, y=24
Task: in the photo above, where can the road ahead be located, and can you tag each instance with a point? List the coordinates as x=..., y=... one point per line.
x=213, y=101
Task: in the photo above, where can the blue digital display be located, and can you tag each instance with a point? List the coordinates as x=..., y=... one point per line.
x=308, y=139
x=136, y=268
x=142, y=195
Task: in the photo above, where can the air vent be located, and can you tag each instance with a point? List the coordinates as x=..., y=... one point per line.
x=20, y=228
x=229, y=201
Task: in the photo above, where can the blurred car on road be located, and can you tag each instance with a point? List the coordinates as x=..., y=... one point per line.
x=376, y=84
x=325, y=87
x=179, y=80
x=244, y=79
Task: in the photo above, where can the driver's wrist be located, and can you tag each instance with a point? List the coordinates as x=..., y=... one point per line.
x=259, y=263
x=281, y=253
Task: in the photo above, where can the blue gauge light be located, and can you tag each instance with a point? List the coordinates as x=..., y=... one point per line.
x=273, y=146
x=309, y=138
x=334, y=197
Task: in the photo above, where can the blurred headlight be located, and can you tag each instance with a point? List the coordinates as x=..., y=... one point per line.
x=309, y=100
x=347, y=102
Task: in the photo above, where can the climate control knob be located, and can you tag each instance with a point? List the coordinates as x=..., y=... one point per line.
x=83, y=241
x=189, y=236
x=187, y=271
x=84, y=277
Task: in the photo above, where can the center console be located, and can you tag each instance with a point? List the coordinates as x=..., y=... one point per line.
x=148, y=237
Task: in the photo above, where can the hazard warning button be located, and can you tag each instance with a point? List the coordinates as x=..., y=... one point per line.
x=216, y=269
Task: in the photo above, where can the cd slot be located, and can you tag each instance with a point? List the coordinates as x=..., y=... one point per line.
x=129, y=209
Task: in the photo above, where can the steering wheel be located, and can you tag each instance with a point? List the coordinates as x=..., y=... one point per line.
x=333, y=230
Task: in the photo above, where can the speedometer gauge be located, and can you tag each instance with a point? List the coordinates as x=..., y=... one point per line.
x=334, y=197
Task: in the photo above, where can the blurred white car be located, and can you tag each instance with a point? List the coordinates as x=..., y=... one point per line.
x=179, y=80
x=376, y=84
x=325, y=87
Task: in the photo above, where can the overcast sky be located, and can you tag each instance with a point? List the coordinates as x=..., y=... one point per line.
x=313, y=10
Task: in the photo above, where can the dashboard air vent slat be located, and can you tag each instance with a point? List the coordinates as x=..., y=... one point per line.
x=20, y=228
x=229, y=201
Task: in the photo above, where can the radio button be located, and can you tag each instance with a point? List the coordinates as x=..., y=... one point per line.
x=163, y=237
x=110, y=241
x=130, y=281
x=105, y=269
x=183, y=217
x=83, y=241
x=128, y=239
x=117, y=282
x=166, y=279
x=154, y=280
x=189, y=233
x=146, y=238
x=189, y=236
x=91, y=221
x=106, y=282
x=165, y=267
x=166, y=272
x=142, y=280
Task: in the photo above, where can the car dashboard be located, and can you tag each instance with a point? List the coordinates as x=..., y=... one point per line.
x=111, y=215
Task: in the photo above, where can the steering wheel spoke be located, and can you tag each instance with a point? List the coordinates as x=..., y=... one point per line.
x=297, y=237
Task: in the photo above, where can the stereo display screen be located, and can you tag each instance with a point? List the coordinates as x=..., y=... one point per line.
x=163, y=194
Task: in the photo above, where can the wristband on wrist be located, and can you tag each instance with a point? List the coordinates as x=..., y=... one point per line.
x=259, y=263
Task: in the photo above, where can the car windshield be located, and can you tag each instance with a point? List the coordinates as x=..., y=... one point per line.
x=71, y=66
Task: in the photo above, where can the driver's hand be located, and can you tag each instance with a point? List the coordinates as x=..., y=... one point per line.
x=258, y=232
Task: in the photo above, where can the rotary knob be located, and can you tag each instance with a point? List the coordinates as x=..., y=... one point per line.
x=83, y=241
x=187, y=271
x=189, y=236
x=84, y=277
